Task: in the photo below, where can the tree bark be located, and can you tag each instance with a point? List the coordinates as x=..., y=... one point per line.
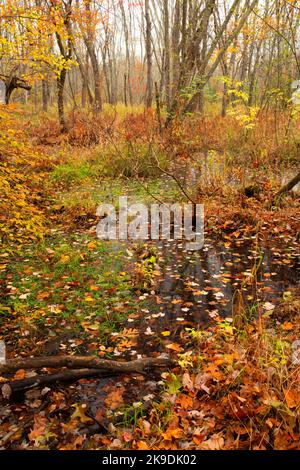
x=148, y=100
x=89, y=41
x=87, y=362
x=289, y=186
x=61, y=80
x=45, y=95
x=11, y=83
x=167, y=61
x=43, y=380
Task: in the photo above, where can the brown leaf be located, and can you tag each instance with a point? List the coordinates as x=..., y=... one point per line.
x=216, y=442
x=115, y=398
x=187, y=381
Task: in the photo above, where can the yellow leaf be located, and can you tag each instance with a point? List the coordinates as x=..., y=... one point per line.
x=91, y=245
x=79, y=413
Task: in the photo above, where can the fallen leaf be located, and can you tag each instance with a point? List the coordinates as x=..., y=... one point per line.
x=115, y=398
x=187, y=381
x=216, y=442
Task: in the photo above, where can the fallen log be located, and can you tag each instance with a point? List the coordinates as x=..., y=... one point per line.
x=42, y=380
x=84, y=362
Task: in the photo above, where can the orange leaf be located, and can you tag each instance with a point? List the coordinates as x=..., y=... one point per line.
x=287, y=326
x=141, y=445
x=115, y=398
x=185, y=401
x=39, y=428
x=174, y=346
x=292, y=398
x=20, y=374
x=172, y=433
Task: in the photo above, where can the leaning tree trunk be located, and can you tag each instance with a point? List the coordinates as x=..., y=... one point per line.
x=289, y=186
x=11, y=83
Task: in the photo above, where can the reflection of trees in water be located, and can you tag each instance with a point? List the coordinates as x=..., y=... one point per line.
x=202, y=268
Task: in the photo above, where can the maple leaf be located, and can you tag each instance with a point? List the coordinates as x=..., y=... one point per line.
x=292, y=398
x=171, y=433
x=91, y=246
x=39, y=429
x=185, y=401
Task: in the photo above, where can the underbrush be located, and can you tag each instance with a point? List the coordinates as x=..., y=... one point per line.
x=85, y=129
x=227, y=152
x=22, y=171
x=233, y=389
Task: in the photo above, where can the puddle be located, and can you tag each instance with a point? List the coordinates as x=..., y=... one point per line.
x=195, y=287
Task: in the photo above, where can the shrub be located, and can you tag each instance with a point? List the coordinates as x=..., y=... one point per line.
x=21, y=179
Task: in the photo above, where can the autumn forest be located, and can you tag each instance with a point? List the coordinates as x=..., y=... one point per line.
x=149, y=225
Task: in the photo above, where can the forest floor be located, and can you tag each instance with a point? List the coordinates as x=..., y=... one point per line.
x=227, y=315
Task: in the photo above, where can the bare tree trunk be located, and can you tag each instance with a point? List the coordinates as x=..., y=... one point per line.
x=175, y=49
x=148, y=100
x=97, y=77
x=167, y=56
x=66, y=52
x=45, y=95
x=83, y=69
x=61, y=80
x=209, y=73
x=125, y=89
x=89, y=41
x=128, y=65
